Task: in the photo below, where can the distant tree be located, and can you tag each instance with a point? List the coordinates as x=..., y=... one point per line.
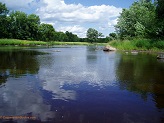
x=100, y=35
x=33, y=22
x=61, y=36
x=92, y=35
x=113, y=36
x=71, y=37
x=46, y=32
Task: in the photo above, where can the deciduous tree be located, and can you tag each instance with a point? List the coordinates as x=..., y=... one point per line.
x=46, y=32
x=92, y=35
x=3, y=21
x=137, y=21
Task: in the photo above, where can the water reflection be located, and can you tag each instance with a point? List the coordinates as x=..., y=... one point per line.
x=80, y=85
x=17, y=63
x=73, y=68
x=15, y=99
x=142, y=74
x=19, y=92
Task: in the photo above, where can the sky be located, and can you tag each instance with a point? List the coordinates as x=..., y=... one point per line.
x=75, y=16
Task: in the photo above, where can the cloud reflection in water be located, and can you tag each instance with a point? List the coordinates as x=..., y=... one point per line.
x=73, y=68
x=19, y=97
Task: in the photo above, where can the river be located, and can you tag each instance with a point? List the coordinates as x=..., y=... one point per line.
x=79, y=84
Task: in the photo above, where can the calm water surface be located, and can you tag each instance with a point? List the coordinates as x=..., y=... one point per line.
x=80, y=85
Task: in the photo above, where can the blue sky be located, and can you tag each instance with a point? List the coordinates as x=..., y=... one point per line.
x=75, y=16
x=116, y=3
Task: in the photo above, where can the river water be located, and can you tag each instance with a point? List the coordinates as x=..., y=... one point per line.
x=79, y=84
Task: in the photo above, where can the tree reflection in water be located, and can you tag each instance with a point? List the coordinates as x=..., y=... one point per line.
x=142, y=74
x=17, y=63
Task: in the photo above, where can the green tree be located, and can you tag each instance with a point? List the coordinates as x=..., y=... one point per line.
x=71, y=37
x=92, y=35
x=19, y=25
x=160, y=18
x=46, y=32
x=4, y=22
x=160, y=9
x=33, y=22
x=3, y=9
x=62, y=36
x=137, y=21
x=100, y=35
x=113, y=36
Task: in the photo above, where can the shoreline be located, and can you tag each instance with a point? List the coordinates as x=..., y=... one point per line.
x=120, y=46
x=17, y=42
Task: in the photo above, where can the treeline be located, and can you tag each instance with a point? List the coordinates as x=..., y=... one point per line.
x=19, y=25
x=144, y=19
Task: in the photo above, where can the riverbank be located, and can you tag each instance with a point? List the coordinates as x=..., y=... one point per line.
x=133, y=45
x=16, y=42
x=139, y=45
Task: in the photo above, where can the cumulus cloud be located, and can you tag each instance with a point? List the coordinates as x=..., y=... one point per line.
x=76, y=29
x=72, y=17
x=58, y=10
x=112, y=22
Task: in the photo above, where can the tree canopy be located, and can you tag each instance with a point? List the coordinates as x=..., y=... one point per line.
x=93, y=35
x=3, y=20
x=160, y=18
x=137, y=21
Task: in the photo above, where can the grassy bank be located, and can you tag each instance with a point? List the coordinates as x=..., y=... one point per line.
x=20, y=42
x=35, y=43
x=68, y=43
x=139, y=44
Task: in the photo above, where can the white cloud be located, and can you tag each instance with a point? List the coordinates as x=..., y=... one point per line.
x=112, y=22
x=76, y=29
x=64, y=16
x=58, y=10
x=68, y=16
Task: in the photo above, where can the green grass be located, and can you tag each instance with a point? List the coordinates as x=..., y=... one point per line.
x=139, y=44
x=20, y=42
x=135, y=44
x=35, y=43
x=75, y=43
x=68, y=43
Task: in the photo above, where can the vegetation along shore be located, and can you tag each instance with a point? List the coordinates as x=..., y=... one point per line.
x=18, y=42
x=139, y=44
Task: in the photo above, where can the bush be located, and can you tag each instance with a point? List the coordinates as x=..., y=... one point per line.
x=138, y=44
x=145, y=44
x=159, y=44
